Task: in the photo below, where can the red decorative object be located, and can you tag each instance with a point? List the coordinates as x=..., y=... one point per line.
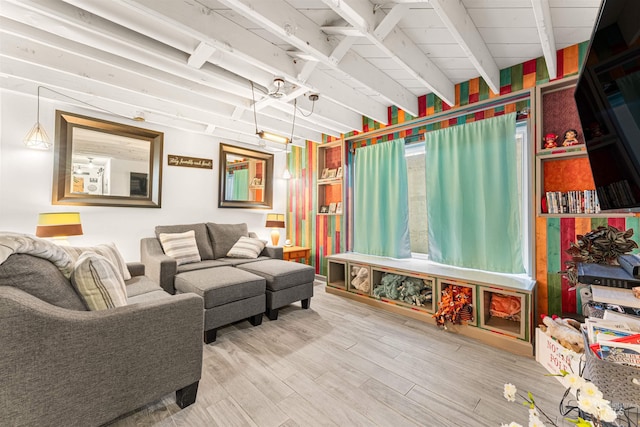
x=455, y=305
x=550, y=140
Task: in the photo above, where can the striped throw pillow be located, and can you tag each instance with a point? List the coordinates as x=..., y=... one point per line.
x=180, y=246
x=98, y=282
x=246, y=247
x=107, y=250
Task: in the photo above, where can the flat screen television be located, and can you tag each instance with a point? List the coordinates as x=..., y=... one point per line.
x=608, y=100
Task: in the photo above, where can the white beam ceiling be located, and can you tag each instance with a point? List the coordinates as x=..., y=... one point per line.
x=189, y=64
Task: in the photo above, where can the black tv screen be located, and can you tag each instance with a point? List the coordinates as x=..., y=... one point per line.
x=608, y=100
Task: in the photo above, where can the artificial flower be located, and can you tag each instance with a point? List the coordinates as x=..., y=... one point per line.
x=590, y=389
x=510, y=392
x=575, y=381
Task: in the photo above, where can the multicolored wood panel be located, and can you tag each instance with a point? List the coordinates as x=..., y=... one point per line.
x=329, y=234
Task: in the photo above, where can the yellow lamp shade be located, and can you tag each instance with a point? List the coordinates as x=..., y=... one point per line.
x=59, y=224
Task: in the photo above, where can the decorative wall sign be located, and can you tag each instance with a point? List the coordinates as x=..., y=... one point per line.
x=189, y=162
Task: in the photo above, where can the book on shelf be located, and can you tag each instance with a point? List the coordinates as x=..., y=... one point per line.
x=576, y=201
x=619, y=296
x=633, y=322
x=619, y=352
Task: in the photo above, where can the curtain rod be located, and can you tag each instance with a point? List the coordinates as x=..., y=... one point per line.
x=443, y=115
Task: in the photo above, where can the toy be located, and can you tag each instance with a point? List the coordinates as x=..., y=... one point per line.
x=570, y=138
x=550, y=140
x=360, y=278
x=565, y=331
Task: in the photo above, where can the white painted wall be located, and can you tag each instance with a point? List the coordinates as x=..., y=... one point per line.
x=188, y=194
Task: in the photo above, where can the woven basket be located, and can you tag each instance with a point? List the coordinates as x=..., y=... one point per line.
x=618, y=383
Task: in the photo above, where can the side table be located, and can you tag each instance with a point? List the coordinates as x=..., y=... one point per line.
x=293, y=253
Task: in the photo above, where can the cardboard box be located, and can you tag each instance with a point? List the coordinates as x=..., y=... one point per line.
x=556, y=358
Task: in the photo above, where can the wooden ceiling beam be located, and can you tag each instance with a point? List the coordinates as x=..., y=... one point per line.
x=542, y=14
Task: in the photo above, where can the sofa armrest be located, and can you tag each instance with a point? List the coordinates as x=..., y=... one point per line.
x=159, y=267
x=272, y=252
x=60, y=366
x=135, y=268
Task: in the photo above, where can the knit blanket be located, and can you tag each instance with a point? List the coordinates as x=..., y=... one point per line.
x=16, y=243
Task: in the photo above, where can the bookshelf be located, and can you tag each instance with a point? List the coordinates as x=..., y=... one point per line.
x=330, y=173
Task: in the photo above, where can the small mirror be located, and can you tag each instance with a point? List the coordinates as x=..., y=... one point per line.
x=245, y=178
x=102, y=163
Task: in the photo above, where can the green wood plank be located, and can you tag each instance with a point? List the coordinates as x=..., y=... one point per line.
x=464, y=93
x=505, y=77
x=516, y=77
x=483, y=90
x=553, y=245
x=542, y=75
x=633, y=222
x=598, y=222
x=554, y=292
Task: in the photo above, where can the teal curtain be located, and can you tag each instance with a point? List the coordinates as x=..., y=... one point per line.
x=240, y=184
x=472, y=196
x=380, y=201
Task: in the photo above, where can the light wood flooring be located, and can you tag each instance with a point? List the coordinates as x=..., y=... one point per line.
x=344, y=363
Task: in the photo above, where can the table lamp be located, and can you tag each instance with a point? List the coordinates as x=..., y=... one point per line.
x=275, y=221
x=59, y=225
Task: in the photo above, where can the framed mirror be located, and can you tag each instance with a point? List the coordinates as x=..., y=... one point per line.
x=246, y=178
x=102, y=163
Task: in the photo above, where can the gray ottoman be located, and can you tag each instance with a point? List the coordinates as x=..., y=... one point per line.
x=287, y=282
x=229, y=294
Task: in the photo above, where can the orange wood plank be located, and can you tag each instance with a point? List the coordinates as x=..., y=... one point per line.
x=541, y=264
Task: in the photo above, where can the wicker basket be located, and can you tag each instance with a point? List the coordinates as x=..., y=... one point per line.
x=618, y=383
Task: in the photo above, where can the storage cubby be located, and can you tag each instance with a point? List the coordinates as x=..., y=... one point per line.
x=330, y=172
x=411, y=289
x=503, y=311
x=359, y=279
x=459, y=292
x=336, y=274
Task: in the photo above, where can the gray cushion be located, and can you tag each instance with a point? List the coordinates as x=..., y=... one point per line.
x=221, y=285
x=200, y=265
x=281, y=274
x=238, y=261
x=139, y=285
x=40, y=278
x=202, y=238
x=148, y=296
x=224, y=236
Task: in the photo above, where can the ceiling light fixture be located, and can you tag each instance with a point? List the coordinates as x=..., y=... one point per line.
x=37, y=137
x=264, y=135
x=286, y=174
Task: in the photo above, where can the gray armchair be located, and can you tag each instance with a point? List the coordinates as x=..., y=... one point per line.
x=64, y=366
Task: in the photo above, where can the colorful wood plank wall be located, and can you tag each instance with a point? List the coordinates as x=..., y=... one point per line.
x=328, y=234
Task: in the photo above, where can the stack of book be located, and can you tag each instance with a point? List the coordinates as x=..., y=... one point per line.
x=615, y=338
x=578, y=202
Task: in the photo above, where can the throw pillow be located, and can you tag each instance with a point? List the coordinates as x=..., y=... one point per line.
x=180, y=246
x=98, y=282
x=246, y=247
x=107, y=250
x=224, y=236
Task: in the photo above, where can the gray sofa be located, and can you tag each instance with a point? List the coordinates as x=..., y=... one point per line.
x=63, y=365
x=233, y=289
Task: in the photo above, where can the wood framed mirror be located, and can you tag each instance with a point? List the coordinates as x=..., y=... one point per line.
x=246, y=178
x=103, y=163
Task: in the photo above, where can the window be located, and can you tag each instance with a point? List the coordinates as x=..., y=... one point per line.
x=418, y=227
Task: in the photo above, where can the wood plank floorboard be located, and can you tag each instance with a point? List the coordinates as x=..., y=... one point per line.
x=344, y=363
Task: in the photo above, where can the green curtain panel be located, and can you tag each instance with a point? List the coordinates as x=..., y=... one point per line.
x=381, y=222
x=472, y=196
x=241, y=184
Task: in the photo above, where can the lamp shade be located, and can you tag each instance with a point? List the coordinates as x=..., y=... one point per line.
x=275, y=220
x=37, y=138
x=59, y=224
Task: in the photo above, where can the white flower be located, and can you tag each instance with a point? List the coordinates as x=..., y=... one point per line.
x=575, y=381
x=589, y=389
x=510, y=392
x=588, y=404
x=512, y=424
x=533, y=412
x=605, y=413
x=534, y=421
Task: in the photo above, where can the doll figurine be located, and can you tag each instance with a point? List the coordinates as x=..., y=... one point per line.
x=550, y=140
x=570, y=138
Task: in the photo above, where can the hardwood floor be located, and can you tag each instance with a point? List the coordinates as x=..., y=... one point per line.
x=344, y=363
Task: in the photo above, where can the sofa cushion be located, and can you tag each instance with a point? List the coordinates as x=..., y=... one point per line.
x=281, y=274
x=107, y=250
x=40, y=278
x=246, y=247
x=139, y=285
x=98, y=282
x=238, y=261
x=202, y=237
x=224, y=236
x=221, y=286
x=210, y=263
x=148, y=296
x=180, y=246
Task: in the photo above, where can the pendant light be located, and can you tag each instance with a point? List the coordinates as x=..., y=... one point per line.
x=37, y=137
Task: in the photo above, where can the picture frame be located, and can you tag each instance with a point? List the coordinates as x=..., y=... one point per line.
x=339, y=208
x=332, y=207
x=325, y=173
x=324, y=209
x=339, y=173
x=331, y=173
